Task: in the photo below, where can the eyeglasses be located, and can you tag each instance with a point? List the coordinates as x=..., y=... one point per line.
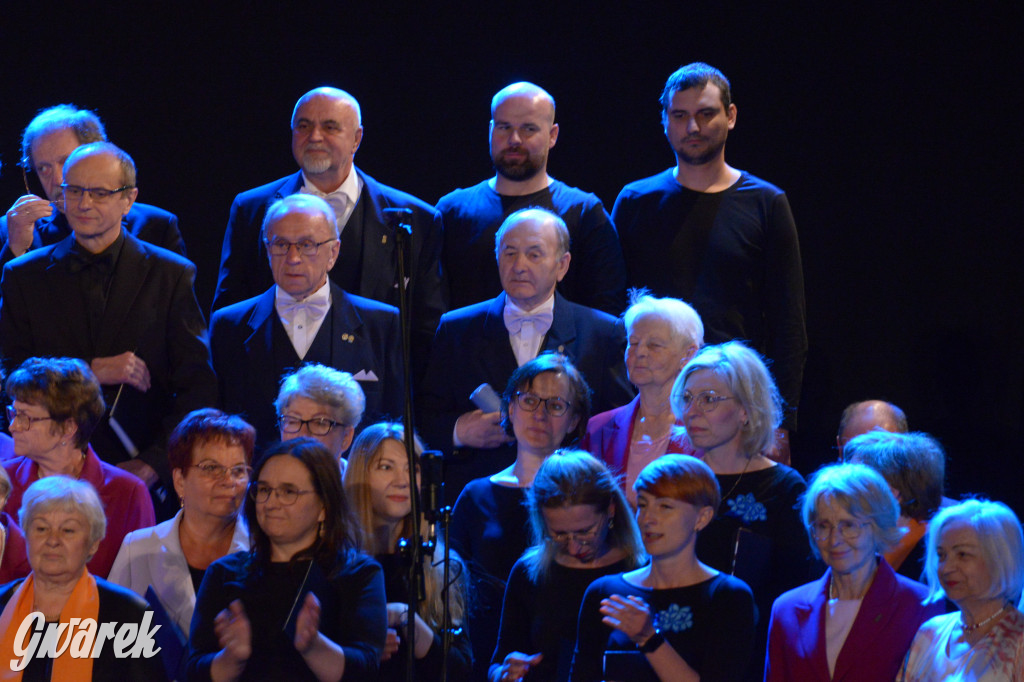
x=318, y=426
x=98, y=194
x=286, y=494
x=306, y=247
x=705, y=401
x=555, y=406
x=584, y=538
x=850, y=530
x=216, y=472
x=14, y=415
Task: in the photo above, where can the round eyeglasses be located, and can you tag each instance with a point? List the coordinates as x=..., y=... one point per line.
x=14, y=416
x=705, y=401
x=850, y=530
x=584, y=538
x=555, y=406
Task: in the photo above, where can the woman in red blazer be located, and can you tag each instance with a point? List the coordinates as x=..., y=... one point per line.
x=857, y=621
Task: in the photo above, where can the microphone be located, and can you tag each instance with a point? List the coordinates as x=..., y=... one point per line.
x=399, y=218
x=431, y=486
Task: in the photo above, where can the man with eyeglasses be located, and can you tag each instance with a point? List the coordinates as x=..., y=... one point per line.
x=34, y=221
x=303, y=318
x=326, y=131
x=121, y=304
x=485, y=342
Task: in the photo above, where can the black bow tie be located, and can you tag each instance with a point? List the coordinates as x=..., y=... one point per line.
x=102, y=263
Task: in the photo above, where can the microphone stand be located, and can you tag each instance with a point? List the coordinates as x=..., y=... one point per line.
x=399, y=221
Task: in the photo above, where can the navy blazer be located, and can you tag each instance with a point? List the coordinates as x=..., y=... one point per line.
x=245, y=270
x=364, y=336
x=889, y=616
x=472, y=347
x=148, y=223
x=151, y=311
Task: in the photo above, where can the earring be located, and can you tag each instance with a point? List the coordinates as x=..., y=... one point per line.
x=611, y=523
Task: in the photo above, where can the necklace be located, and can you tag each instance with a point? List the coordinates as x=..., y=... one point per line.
x=980, y=623
x=745, y=467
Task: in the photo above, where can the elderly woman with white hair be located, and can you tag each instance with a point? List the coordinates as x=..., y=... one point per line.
x=322, y=403
x=64, y=523
x=857, y=621
x=975, y=558
x=663, y=334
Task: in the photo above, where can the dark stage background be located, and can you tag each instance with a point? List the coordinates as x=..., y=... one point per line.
x=893, y=131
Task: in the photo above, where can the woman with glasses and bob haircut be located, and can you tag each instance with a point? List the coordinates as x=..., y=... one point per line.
x=377, y=485
x=582, y=529
x=322, y=403
x=975, y=558
x=546, y=405
x=209, y=453
x=675, y=619
x=857, y=621
x=57, y=403
x=731, y=408
x=303, y=603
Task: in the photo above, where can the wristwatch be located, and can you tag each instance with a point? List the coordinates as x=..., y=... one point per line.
x=652, y=643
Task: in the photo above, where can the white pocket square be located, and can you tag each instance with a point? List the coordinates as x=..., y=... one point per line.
x=363, y=375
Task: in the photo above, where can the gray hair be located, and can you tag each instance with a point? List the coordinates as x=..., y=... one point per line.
x=861, y=491
x=86, y=126
x=327, y=386
x=914, y=464
x=64, y=494
x=300, y=202
x=539, y=214
x=686, y=325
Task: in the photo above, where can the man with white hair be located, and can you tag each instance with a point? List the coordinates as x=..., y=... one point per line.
x=327, y=130
x=522, y=133
x=304, y=318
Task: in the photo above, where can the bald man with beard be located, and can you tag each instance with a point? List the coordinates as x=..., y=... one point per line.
x=522, y=134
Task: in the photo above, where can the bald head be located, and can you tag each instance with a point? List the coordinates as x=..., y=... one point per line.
x=326, y=132
x=868, y=416
x=539, y=98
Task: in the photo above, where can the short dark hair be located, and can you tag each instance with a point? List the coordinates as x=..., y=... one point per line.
x=339, y=533
x=695, y=75
x=208, y=425
x=64, y=387
x=913, y=464
x=86, y=126
x=550, y=361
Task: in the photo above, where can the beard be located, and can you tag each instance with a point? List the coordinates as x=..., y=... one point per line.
x=517, y=170
x=709, y=154
x=315, y=165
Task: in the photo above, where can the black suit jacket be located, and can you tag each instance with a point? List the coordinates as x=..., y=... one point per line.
x=151, y=310
x=148, y=223
x=472, y=347
x=245, y=271
x=364, y=335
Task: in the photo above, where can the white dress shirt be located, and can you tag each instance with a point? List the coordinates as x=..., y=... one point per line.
x=302, y=319
x=526, y=328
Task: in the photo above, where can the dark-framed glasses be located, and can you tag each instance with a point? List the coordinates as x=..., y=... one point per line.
x=98, y=194
x=216, y=472
x=705, y=401
x=318, y=426
x=306, y=247
x=13, y=415
x=850, y=530
x=584, y=538
x=286, y=494
x=554, y=406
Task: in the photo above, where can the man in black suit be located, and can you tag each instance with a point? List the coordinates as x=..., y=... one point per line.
x=485, y=342
x=303, y=317
x=33, y=222
x=326, y=132
x=124, y=306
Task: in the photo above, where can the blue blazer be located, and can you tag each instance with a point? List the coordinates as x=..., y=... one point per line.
x=888, y=619
x=471, y=347
x=364, y=336
x=148, y=223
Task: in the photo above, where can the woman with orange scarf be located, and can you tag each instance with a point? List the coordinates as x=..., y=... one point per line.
x=64, y=523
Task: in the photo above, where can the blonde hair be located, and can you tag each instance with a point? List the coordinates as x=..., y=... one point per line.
x=361, y=457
